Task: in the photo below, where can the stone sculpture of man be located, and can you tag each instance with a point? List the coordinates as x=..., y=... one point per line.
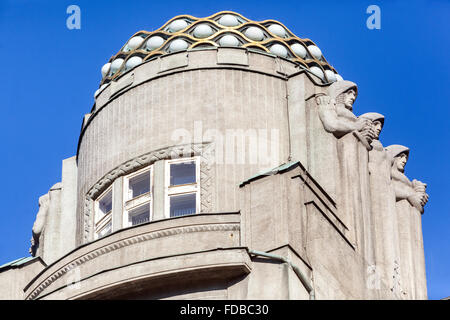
x=336, y=114
x=39, y=223
x=413, y=191
x=410, y=200
x=353, y=137
x=383, y=215
x=329, y=116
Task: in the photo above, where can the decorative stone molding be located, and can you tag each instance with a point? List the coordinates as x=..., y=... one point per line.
x=205, y=150
x=124, y=243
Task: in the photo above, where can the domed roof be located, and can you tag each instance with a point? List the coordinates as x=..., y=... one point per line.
x=223, y=29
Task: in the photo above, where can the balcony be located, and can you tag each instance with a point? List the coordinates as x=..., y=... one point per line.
x=155, y=254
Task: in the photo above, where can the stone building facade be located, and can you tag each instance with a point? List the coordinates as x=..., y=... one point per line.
x=222, y=160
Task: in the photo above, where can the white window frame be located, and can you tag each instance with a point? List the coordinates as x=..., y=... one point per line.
x=181, y=189
x=133, y=203
x=100, y=222
x=103, y=226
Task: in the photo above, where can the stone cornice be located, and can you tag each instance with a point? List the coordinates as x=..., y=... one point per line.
x=48, y=280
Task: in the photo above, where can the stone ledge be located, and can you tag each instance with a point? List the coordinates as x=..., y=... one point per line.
x=228, y=263
x=148, y=241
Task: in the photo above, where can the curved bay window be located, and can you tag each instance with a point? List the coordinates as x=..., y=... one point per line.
x=180, y=180
x=182, y=187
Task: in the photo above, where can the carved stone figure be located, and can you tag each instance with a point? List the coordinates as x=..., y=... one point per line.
x=410, y=200
x=329, y=117
x=336, y=117
x=413, y=191
x=383, y=216
x=335, y=111
x=353, y=137
x=39, y=224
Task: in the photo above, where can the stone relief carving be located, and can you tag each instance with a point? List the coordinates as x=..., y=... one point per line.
x=377, y=122
x=366, y=196
x=374, y=197
x=410, y=199
x=353, y=194
x=39, y=224
x=382, y=205
x=205, y=150
x=336, y=112
x=49, y=208
x=413, y=191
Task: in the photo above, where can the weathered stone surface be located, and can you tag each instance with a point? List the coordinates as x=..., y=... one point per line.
x=384, y=218
x=14, y=278
x=410, y=197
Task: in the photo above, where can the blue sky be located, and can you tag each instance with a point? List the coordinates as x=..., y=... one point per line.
x=50, y=74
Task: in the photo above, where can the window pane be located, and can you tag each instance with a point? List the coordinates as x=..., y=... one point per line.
x=182, y=173
x=182, y=205
x=106, y=230
x=139, y=215
x=105, y=203
x=140, y=184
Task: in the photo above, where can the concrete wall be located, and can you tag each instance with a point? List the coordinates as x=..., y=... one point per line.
x=13, y=280
x=291, y=210
x=59, y=233
x=206, y=89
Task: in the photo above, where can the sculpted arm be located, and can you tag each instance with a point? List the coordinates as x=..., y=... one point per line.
x=420, y=197
x=330, y=119
x=414, y=192
x=402, y=190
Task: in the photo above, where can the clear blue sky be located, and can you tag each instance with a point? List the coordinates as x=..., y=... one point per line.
x=50, y=74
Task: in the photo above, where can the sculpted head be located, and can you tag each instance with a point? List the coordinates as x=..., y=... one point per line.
x=378, y=126
x=349, y=99
x=43, y=201
x=377, y=121
x=344, y=92
x=400, y=162
x=399, y=156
